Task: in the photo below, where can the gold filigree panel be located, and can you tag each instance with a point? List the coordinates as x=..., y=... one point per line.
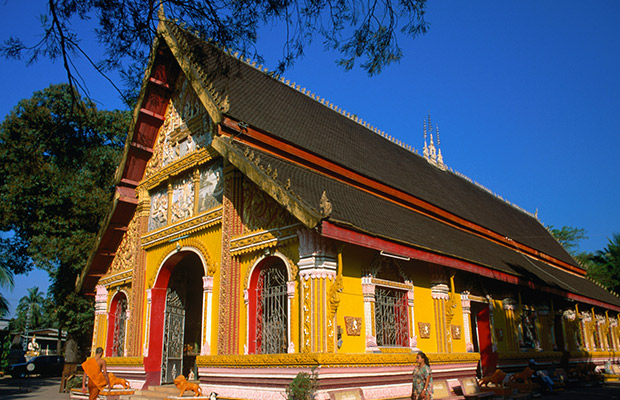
x=260, y=211
x=187, y=128
x=330, y=359
x=128, y=251
x=187, y=227
x=263, y=239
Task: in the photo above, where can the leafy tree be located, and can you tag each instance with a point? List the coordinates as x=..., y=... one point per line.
x=58, y=154
x=606, y=264
x=357, y=29
x=6, y=281
x=569, y=237
x=30, y=310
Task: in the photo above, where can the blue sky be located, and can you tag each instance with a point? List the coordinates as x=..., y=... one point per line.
x=525, y=93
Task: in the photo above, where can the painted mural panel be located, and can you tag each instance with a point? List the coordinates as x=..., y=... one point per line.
x=182, y=198
x=159, y=209
x=211, y=187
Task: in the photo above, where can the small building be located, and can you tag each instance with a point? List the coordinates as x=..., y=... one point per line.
x=258, y=230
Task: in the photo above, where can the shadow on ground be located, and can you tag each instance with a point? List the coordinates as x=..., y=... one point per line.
x=29, y=388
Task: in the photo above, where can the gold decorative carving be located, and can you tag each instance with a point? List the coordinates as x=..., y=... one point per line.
x=331, y=360
x=187, y=128
x=326, y=205
x=116, y=279
x=383, y=282
x=306, y=315
x=125, y=361
x=424, y=330
x=260, y=211
x=263, y=239
x=353, y=325
x=456, y=332
x=385, y=268
x=293, y=259
x=193, y=225
x=211, y=266
x=127, y=253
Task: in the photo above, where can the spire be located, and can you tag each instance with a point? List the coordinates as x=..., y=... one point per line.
x=425, y=152
x=431, y=153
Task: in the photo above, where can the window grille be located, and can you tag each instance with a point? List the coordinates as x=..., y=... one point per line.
x=391, y=317
x=271, y=313
x=118, y=343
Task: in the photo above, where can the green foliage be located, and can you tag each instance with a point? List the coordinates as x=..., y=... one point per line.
x=58, y=154
x=358, y=29
x=569, y=237
x=5, y=350
x=30, y=311
x=605, y=264
x=6, y=281
x=75, y=382
x=303, y=387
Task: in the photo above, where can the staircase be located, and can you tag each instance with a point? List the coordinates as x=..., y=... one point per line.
x=159, y=393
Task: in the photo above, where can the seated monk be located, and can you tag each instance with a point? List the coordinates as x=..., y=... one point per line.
x=497, y=378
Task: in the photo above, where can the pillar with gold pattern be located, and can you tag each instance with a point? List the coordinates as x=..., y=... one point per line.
x=512, y=324
x=147, y=326
x=317, y=272
x=101, y=317
x=466, y=307
x=207, y=306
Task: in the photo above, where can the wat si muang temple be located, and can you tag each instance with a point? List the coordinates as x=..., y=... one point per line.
x=258, y=230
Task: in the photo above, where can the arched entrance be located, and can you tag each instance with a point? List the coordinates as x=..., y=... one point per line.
x=115, y=346
x=176, y=317
x=268, y=322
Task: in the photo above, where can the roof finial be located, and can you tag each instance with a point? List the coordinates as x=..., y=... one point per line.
x=439, y=156
x=425, y=152
x=431, y=153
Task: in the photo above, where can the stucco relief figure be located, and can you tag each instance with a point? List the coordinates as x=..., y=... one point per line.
x=159, y=210
x=211, y=188
x=182, y=199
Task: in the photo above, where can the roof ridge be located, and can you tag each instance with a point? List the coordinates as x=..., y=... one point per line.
x=353, y=117
x=307, y=92
x=496, y=195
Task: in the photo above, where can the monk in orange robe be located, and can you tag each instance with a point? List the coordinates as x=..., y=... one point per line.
x=95, y=369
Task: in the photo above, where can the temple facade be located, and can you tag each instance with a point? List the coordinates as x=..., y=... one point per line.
x=257, y=231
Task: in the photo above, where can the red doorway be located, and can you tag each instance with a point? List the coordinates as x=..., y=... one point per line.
x=483, y=342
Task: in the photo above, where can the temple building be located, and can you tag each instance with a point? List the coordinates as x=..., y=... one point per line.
x=258, y=230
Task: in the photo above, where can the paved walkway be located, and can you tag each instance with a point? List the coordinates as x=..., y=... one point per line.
x=31, y=388
x=47, y=388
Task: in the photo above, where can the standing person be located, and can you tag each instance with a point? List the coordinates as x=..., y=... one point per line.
x=422, y=380
x=95, y=369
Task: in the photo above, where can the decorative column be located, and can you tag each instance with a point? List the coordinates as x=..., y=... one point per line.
x=413, y=338
x=440, y=292
x=137, y=228
x=230, y=273
x=207, y=306
x=101, y=316
x=585, y=319
x=511, y=335
x=317, y=266
x=492, y=323
x=544, y=325
x=147, y=327
x=368, y=289
x=466, y=306
x=290, y=295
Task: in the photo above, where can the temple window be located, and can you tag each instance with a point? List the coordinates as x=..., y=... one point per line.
x=118, y=325
x=268, y=304
x=528, y=331
x=391, y=317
